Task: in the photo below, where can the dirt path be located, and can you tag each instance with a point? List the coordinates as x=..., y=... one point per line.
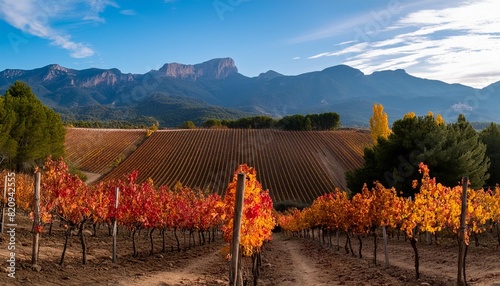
x=292, y=261
x=286, y=261
x=297, y=261
x=297, y=269
x=201, y=270
x=302, y=270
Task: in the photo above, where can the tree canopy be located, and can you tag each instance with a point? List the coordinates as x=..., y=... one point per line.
x=29, y=130
x=451, y=151
x=322, y=121
x=379, y=123
x=188, y=125
x=490, y=136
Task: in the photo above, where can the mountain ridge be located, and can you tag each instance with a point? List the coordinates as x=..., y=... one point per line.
x=216, y=83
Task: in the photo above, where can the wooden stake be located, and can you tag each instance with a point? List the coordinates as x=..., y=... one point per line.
x=117, y=193
x=461, y=235
x=36, y=221
x=384, y=234
x=234, y=277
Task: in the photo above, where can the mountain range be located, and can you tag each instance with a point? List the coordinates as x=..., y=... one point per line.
x=215, y=89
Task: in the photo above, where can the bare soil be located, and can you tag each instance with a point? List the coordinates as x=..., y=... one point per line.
x=286, y=260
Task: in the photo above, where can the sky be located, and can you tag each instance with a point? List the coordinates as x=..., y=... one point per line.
x=455, y=41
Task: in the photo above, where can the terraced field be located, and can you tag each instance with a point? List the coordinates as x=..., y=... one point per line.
x=293, y=165
x=100, y=150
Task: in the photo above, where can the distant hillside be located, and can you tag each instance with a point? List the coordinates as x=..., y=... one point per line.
x=214, y=89
x=169, y=111
x=173, y=110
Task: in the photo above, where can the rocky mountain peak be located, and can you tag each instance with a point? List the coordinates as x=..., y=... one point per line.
x=218, y=68
x=106, y=77
x=12, y=73
x=53, y=71
x=212, y=69
x=57, y=68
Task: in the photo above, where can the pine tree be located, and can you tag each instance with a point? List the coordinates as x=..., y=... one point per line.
x=451, y=152
x=34, y=131
x=8, y=146
x=379, y=123
x=463, y=154
x=490, y=136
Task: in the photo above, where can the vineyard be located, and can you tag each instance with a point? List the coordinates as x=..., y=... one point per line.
x=186, y=246
x=67, y=200
x=293, y=165
x=169, y=202
x=435, y=209
x=99, y=150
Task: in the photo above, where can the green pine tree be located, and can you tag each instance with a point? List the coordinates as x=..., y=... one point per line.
x=490, y=136
x=8, y=146
x=36, y=132
x=451, y=152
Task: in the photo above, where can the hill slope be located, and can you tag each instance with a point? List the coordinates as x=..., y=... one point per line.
x=100, y=150
x=293, y=165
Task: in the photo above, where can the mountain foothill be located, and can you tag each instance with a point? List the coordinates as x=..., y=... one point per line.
x=215, y=89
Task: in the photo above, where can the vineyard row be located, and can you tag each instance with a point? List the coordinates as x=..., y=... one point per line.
x=293, y=165
x=433, y=209
x=139, y=206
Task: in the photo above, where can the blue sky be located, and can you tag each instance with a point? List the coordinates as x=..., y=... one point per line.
x=453, y=41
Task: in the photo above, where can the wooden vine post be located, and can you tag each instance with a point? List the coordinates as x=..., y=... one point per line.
x=36, y=222
x=413, y=242
x=461, y=279
x=386, y=253
x=235, y=274
x=117, y=193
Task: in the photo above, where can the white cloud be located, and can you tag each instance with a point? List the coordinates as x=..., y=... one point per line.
x=330, y=31
x=77, y=50
x=357, y=24
x=357, y=48
x=346, y=43
x=95, y=8
x=455, y=44
x=128, y=12
x=36, y=17
x=296, y=58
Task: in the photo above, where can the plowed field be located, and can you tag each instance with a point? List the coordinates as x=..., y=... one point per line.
x=100, y=150
x=293, y=165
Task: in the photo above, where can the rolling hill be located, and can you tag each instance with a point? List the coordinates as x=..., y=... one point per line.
x=296, y=166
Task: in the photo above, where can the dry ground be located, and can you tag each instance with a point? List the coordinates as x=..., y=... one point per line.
x=286, y=261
